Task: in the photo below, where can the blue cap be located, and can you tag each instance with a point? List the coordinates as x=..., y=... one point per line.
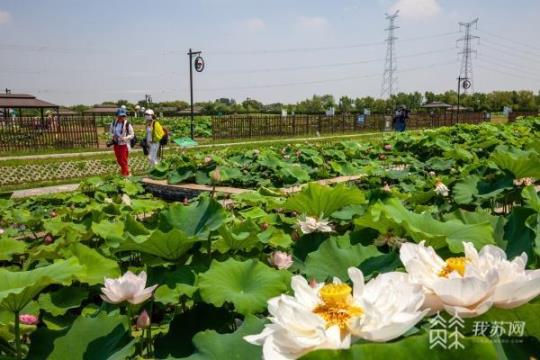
x=121, y=112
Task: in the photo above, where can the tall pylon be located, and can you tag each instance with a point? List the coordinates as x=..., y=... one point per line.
x=466, y=70
x=389, y=83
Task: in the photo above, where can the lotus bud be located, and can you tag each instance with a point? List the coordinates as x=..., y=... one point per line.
x=28, y=319
x=387, y=188
x=295, y=236
x=215, y=175
x=281, y=260
x=1, y=231
x=388, y=147
x=126, y=200
x=185, y=201
x=143, y=320
x=312, y=283
x=48, y=239
x=264, y=226
x=382, y=157
x=207, y=159
x=53, y=214
x=432, y=174
x=298, y=153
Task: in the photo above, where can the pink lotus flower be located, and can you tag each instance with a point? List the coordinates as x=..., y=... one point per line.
x=387, y=188
x=281, y=260
x=28, y=319
x=388, y=147
x=215, y=175
x=207, y=159
x=143, y=320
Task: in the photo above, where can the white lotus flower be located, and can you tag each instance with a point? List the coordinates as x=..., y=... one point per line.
x=126, y=200
x=311, y=225
x=526, y=181
x=441, y=189
x=331, y=316
x=1, y=231
x=468, y=286
x=129, y=287
x=515, y=286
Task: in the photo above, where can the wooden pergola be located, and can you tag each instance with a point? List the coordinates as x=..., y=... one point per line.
x=102, y=110
x=24, y=101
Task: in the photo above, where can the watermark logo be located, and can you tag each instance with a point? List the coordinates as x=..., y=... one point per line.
x=448, y=333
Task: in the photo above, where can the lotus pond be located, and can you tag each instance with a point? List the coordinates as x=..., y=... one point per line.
x=433, y=253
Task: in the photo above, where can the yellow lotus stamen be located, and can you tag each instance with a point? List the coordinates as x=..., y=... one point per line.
x=454, y=264
x=337, y=308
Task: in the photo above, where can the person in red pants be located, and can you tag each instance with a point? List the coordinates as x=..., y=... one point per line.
x=122, y=134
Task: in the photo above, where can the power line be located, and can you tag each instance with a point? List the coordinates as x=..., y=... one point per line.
x=508, y=50
x=340, y=64
x=513, y=56
x=498, y=71
x=247, y=87
x=512, y=48
x=107, y=51
x=513, y=41
x=507, y=65
x=390, y=66
x=225, y=71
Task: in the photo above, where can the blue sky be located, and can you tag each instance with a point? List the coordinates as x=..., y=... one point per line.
x=80, y=51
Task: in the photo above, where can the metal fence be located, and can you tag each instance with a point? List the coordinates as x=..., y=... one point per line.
x=515, y=114
x=32, y=133
x=252, y=126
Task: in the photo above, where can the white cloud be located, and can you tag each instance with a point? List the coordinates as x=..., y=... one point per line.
x=5, y=17
x=255, y=24
x=312, y=22
x=416, y=9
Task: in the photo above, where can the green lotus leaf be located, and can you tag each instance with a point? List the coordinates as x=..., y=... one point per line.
x=194, y=220
x=293, y=173
x=530, y=195
x=519, y=237
x=18, y=288
x=240, y=236
x=10, y=247
x=246, y=284
x=518, y=162
x=335, y=256
x=212, y=345
x=176, y=342
x=173, y=285
x=230, y=174
x=413, y=347
x=112, y=232
x=146, y=205
x=96, y=266
x=59, y=302
x=97, y=338
x=317, y=200
x=167, y=245
x=393, y=216
x=276, y=238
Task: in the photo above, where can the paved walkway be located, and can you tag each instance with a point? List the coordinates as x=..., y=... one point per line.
x=206, y=146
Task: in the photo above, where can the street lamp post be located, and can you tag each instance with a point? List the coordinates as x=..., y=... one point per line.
x=199, y=67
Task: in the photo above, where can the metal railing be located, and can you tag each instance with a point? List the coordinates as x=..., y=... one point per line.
x=253, y=126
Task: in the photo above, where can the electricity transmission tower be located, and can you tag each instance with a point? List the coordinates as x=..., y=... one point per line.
x=466, y=71
x=389, y=83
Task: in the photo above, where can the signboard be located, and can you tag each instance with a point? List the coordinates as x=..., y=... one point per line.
x=199, y=64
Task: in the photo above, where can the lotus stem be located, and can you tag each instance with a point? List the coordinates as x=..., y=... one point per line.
x=18, y=335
